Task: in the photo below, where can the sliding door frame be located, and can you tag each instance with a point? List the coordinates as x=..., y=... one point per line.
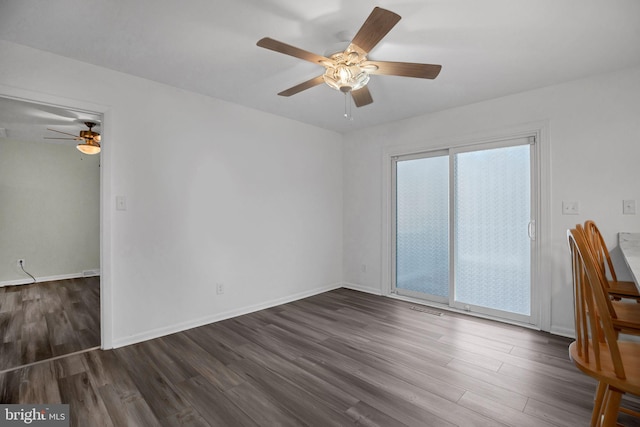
x=540, y=269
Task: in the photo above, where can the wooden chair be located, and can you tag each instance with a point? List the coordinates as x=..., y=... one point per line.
x=596, y=350
x=625, y=316
x=617, y=289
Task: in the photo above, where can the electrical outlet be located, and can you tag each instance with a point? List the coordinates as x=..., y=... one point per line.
x=570, y=208
x=20, y=263
x=219, y=288
x=628, y=207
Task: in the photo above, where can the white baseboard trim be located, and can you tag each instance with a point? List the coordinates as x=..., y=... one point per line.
x=361, y=288
x=172, y=329
x=29, y=280
x=563, y=332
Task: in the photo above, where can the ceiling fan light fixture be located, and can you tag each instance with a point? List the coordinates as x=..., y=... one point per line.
x=90, y=139
x=89, y=147
x=345, y=78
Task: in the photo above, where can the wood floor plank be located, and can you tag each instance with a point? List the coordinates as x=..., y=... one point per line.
x=501, y=413
x=212, y=341
x=366, y=415
x=156, y=389
x=205, y=364
x=85, y=405
x=396, y=408
x=35, y=343
x=130, y=410
x=201, y=394
x=42, y=384
x=10, y=386
x=186, y=418
x=325, y=392
x=13, y=329
x=105, y=368
x=558, y=415
x=40, y=323
x=575, y=400
x=114, y=406
x=171, y=362
x=293, y=397
x=71, y=365
x=440, y=407
x=262, y=408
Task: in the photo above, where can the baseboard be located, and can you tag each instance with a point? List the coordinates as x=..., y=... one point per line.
x=563, y=332
x=28, y=280
x=361, y=288
x=172, y=329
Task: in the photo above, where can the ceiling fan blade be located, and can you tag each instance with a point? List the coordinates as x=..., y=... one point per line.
x=377, y=25
x=275, y=45
x=302, y=86
x=362, y=97
x=404, y=69
x=65, y=133
x=68, y=139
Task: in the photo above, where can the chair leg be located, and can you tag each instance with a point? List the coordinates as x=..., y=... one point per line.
x=612, y=402
x=597, y=404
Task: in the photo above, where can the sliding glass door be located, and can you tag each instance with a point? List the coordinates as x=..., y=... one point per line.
x=464, y=228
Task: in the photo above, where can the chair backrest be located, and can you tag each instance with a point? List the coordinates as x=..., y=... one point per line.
x=595, y=334
x=595, y=239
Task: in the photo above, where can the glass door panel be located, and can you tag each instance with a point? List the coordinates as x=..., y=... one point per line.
x=422, y=227
x=492, y=211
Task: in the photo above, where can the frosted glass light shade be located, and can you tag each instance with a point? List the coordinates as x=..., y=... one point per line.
x=344, y=72
x=346, y=78
x=89, y=147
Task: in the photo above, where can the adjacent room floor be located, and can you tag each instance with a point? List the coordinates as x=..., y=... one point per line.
x=339, y=358
x=44, y=320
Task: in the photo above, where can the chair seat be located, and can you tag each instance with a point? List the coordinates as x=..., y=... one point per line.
x=630, y=352
x=627, y=316
x=623, y=289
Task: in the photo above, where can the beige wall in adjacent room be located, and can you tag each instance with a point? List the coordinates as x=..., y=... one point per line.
x=49, y=211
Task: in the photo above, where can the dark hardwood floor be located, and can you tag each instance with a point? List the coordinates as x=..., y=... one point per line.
x=336, y=359
x=49, y=319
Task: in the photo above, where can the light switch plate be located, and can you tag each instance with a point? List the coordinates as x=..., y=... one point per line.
x=629, y=207
x=570, y=208
x=121, y=203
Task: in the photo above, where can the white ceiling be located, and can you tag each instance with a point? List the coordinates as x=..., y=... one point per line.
x=487, y=48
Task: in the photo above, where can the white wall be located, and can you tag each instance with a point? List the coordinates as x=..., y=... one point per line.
x=215, y=192
x=594, y=141
x=50, y=198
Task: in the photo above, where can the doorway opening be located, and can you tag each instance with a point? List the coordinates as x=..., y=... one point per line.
x=51, y=202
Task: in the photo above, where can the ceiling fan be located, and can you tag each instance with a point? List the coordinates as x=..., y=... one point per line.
x=90, y=140
x=349, y=71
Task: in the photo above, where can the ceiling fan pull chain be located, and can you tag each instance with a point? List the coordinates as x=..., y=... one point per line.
x=346, y=116
x=347, y=107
